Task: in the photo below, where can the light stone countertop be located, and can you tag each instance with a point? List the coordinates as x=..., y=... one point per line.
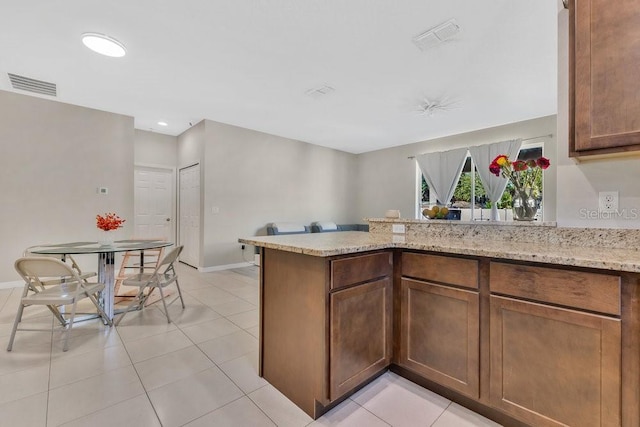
x=348, y=242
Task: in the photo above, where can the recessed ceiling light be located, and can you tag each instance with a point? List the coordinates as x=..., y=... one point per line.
x=104, y=44
x=163, y=123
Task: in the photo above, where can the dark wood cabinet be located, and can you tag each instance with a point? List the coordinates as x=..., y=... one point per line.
x=554, y=367
x=360, y=335
x=519, y=342
x=326, y=324
x=439, y=320
x=555, y=345
x=440, y=334
x=604, y=91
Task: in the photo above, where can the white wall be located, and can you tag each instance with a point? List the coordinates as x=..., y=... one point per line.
x=155, y=149
x=191, y=147
x=386, y=179
x=580, y=183
x=255, y=178
x=54, y=156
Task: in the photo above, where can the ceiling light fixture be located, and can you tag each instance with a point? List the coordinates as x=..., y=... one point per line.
x=104, y=44
x=432, y=107
x=163, y=123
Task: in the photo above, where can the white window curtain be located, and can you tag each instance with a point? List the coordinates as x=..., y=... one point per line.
x=482, y=156
x=442, y=171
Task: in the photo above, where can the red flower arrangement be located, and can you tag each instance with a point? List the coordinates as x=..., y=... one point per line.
x=109, y=221
x=523, y=174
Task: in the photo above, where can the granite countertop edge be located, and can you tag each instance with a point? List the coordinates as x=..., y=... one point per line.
x=344, y=243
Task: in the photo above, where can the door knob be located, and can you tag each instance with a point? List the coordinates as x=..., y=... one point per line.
x=168, y=219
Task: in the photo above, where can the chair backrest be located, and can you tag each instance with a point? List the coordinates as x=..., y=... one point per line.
x=27, y=253
x=38, y=270
x=169, y=259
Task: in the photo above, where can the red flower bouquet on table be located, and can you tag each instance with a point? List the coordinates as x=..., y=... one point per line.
x=524, y=175
x=109, y=221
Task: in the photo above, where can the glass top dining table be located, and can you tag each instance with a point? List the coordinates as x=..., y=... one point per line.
x=106, y=260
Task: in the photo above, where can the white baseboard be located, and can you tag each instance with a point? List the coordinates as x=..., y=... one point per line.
x=224, y=267
x=9, y=285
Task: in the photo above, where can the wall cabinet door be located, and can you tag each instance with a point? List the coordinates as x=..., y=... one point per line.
x=604, y=88
x=360, y=334
x=553, y=366
x=439, y=336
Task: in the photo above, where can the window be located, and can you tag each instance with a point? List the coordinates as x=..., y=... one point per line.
x=469, y=186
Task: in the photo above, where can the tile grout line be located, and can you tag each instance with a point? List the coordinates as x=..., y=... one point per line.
x=133, y=365
x=441, y=414
x=46, y=413
x=226, y=375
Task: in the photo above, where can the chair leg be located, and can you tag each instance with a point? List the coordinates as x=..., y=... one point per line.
x=104, y=316
x=15, y=326
x=131, y=304
x=164, y=303
x=180, y=293
x=57, y=314
x=65, y=347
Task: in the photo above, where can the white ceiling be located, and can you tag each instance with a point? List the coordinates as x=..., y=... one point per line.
x=250, y=62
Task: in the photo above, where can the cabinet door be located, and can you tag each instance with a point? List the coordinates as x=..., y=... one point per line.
x=360, y=335
x=554, y=367
x=604, y=87
x=439, y=336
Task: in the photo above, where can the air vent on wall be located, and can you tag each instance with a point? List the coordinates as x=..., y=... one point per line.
x=437, y=35
x=32, y=85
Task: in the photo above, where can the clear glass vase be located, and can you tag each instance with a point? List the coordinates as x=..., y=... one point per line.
x=106, y=238
x=525, y=206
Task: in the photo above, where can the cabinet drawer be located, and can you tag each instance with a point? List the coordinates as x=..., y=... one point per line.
x=587, y=291
x=358, y=269
x=442, y=269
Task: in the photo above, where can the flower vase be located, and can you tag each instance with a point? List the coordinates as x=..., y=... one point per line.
x=525, y=206
x=106, y=238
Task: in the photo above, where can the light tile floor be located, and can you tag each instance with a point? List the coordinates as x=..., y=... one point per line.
x=199, y=370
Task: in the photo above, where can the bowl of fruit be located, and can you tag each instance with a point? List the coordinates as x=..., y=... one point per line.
x=436, y=212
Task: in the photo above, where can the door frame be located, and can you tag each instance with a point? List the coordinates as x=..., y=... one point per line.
x=174, y=195
x=178, y=220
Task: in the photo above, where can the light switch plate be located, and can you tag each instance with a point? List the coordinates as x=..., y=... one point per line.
x=397, y=228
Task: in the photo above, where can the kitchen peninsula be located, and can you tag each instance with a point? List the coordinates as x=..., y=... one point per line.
x=525, y=324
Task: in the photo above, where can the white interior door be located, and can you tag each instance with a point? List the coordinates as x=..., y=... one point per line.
x=189, y=215
x=153, y=207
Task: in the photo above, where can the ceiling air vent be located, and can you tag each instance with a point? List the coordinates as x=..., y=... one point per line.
x=319, y=91
x=436, y=35
x=32, y=85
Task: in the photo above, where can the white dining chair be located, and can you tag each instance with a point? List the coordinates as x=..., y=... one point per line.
x=51, y=282
x=67, y=258
x=163, y=276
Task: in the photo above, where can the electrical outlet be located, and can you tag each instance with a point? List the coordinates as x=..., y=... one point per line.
x=608, y=201
x=397, y=228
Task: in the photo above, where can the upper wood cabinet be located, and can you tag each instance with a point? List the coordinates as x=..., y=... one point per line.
x=604, y=88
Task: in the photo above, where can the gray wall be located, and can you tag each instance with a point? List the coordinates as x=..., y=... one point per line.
x=386, y=179
x=54, y=156
x=255, y=178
